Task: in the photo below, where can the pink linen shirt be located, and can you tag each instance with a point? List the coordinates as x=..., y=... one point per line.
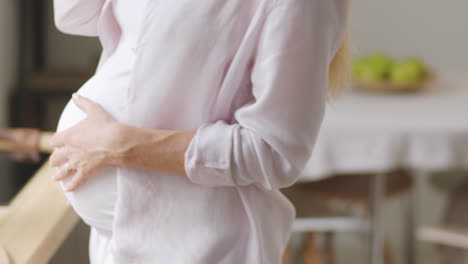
x=250, y=77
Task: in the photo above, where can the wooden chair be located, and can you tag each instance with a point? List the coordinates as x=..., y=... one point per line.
x=451, y=236
x=353, y=189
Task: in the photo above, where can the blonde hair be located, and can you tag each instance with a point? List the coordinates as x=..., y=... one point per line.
x=339, y=76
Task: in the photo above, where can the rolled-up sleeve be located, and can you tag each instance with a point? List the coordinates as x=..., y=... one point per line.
x=77, y=17
x=273, y=137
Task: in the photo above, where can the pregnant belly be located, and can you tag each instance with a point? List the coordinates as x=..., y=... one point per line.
x=94, y=200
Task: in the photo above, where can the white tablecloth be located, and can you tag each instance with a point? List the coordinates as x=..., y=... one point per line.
x=368, y=132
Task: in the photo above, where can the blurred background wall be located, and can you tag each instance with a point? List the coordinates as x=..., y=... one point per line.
x=8, y=53
x=8, y=67
x=68, y=51
x=433, y=29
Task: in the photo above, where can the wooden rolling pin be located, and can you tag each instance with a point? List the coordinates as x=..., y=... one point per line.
x=42, y=144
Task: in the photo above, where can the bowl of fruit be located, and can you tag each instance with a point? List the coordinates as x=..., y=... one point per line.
x=378, y=72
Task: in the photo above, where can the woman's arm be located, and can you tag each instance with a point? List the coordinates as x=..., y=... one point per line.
x=273, y=137
x=114, y=143
x=77, y=17
x=158, y=150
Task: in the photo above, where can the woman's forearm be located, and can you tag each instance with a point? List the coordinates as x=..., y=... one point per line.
x=158, y=150
x=100, y=140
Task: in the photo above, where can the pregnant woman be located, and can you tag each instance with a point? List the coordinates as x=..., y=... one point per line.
x=198, y=113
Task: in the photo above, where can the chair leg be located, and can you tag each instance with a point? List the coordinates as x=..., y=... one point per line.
x=388, y=258
x=376, y=198
x=287, y=256
x=329, y=248
x=311, y=253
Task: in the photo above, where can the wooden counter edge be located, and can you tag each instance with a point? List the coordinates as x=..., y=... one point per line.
x=4, y=259
x=3, y=211
x=38, y=220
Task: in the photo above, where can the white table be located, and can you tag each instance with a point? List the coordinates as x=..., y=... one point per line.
x=369, y=132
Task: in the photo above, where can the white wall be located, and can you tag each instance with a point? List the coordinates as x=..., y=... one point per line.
x=434, y=29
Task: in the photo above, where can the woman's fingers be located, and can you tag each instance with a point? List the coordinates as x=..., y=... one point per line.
x=78, y=177
x=88, y=106
x=33, y=156
x=25, y=156
x=63, y=173
x=58, y=157
x=5, y=134
x=58, y=139
x=77, y=180
x=28, y=138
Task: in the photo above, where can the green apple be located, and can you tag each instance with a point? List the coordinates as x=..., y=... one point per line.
x=404, y=74
x=358, y=64
x=369, y=72
x=416, y=63
x=381, y=61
